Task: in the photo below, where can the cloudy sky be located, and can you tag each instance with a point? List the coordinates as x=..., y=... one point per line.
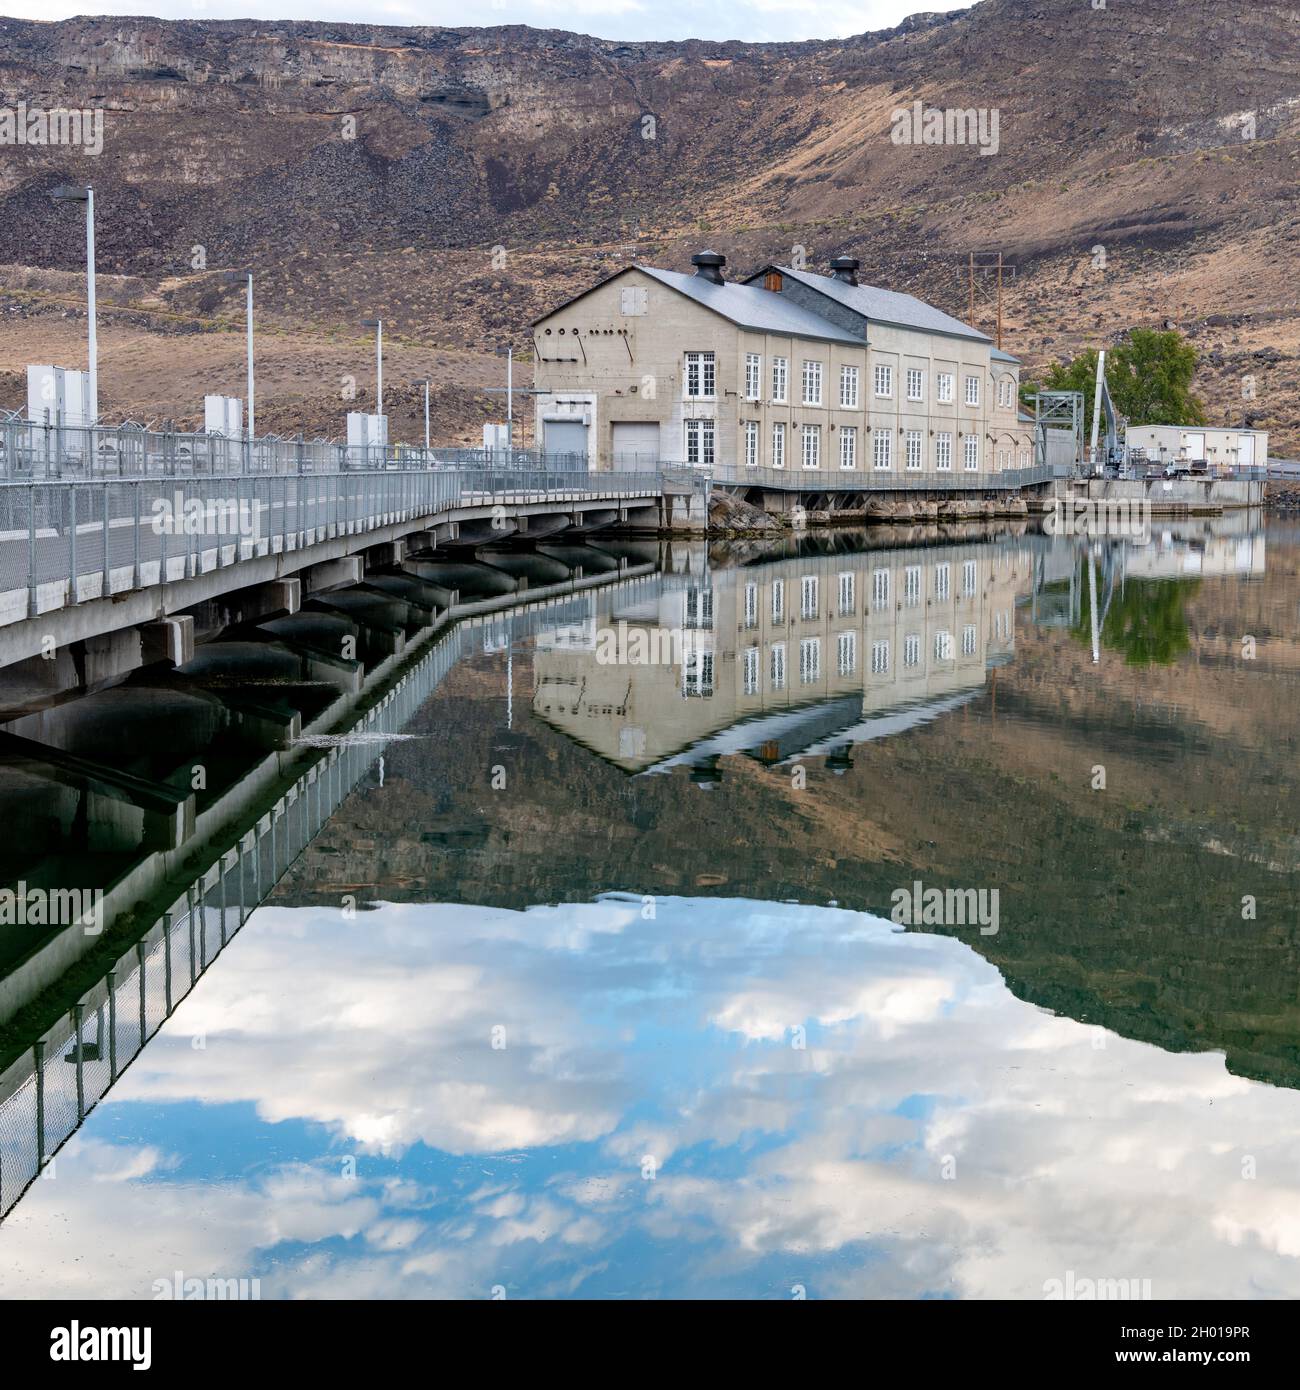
x=755, y=20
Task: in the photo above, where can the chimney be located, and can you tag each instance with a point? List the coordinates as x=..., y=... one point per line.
x=708, y=266
x=845, y=269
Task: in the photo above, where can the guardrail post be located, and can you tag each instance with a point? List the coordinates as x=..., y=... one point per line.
x=31, y=551
x=72, y=538
x=38, y=1061
x=78, y=1015
x=108, y=580
x=111, y=981
x=167, y=960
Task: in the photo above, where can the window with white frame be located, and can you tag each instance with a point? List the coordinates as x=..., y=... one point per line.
x=915, y=384
x=751, y=670
x=753, y=376
x=697, y=673
x=1006, y=392
x=943, y=451
x=943, y=646
x=972, y=390
x=847, y=596
x=776, y=671
x=699, y=607
x=780, y=379
x=880, y=658
x=968, y=577
x=879, y=588
x=942, y=577
x=751, y=443
x=846, y=653
x=884, y=380
x=778, y=446
x=812, y=383
x=911, y=584
x=848, y=446
x=812, y=446
x=914, y=447
x=751, y=605
x=882, y=448
x=968, y=640
x=808, y=596
x=911, y=650
x=810, y=660
x=778, y=600
x=699, y=443
x=849, y=388
x=944, y=384
x=971, y=452
x=701, y=376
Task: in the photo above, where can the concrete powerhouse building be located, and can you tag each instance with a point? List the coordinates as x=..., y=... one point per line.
x=786, y=370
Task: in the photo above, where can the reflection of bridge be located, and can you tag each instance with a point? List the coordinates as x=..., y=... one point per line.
x=245, y=839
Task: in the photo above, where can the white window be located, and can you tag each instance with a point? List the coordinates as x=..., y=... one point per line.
x=941, y=581
x=812, y=383
x=971, y=452
x=847, y=596
x=812, y=446
x=912, y=584
x=810, y=660
x=972, y=390
x=968, y=572
x=884, y=380
x=751, y=605
x=751, y=670
x=778, y=600
x=778, y=446
x=883, y=448
x=915, y=383
x=943, y=451
x=751, y=443
x=753, y=376
x=699, y=443
x=945, y=383
x=911, y=650
x=914, y=449
x=880, y=658
x=808, y=596
x=968, y=640
x=780, y=376
x=699, y=607
x=701, y=376
x=697, y=674
x=777, y=671
x=1006, y=392
x=846, y=653
x=943, y=646
x=879, y=588
x=848, y=447
x=849, y=388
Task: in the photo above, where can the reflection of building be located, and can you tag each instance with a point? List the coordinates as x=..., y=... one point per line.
x=798, y=655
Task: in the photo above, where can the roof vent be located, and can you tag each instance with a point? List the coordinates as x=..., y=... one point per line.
x=708, y=266
x=845, y=269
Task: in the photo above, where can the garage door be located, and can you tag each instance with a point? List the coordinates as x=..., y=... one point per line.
x=635, y=446
x=567, y=440
x=1195, y=445
x=1246, y=450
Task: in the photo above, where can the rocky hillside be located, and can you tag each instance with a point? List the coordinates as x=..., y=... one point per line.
x=457, y=182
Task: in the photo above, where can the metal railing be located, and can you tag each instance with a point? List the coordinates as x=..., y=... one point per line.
x=49, y=449
x=882, y=480
x=71, y=541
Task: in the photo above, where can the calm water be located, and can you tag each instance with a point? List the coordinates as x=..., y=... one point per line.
x=590, y=988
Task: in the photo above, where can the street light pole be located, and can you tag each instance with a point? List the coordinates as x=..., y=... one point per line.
x=249, y=319
x=426, y=415
x=79, y=193
x=379, y=366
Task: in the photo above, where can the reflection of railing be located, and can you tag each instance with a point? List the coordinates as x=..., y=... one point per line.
x=40, y=449
x=67, y=542
x=49, y=1091
x=882, y=480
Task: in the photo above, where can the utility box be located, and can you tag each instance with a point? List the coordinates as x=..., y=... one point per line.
x=223, y=415
x=367, y=431
x=58, y=396
x=496, y=438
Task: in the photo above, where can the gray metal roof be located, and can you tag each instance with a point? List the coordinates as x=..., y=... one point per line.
x=751, y=307
x=999, y=356
x=886, y=306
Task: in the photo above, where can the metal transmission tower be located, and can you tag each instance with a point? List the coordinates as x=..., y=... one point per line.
x=1058, y=428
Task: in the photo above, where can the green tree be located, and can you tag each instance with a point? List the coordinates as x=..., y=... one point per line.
x=1149, y=376
x=1146, y=621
